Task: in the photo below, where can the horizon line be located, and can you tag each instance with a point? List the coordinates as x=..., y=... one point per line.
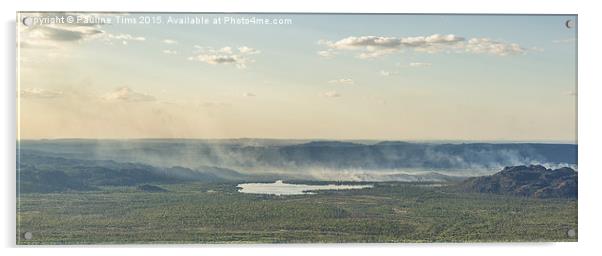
x=312, y=139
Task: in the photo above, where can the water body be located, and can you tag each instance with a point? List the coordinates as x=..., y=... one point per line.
x=280, y=188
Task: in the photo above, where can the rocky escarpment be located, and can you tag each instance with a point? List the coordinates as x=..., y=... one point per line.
x=528, y=181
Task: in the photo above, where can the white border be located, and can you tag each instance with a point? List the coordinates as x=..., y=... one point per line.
x=589, y=121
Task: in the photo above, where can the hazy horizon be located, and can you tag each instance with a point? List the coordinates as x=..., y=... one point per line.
x=312, y=139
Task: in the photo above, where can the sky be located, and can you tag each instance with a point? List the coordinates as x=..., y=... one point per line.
x=316, y=76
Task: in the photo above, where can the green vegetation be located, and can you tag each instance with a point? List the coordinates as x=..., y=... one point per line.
x=216, y=213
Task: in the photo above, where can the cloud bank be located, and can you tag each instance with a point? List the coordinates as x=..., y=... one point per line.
x=368, y=47
x=57, y=35
x=239, y=57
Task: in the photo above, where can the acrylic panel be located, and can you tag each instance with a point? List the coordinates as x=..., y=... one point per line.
x=154, y=128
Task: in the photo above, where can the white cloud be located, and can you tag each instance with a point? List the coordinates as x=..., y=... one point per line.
x=368, y=47
x=331, y=94
x=128, y=95
x=170, y=52
x=218, y=59
x=571, y=93
x=226, y=50
x=327, y=54
x=486, y=45
x=564, y=40
x=249, y=94
x=38, y=93
x=169, y=41
x=376, y=53
x=225, y=55
x=124, y=38
x=388, y=73
x=65, y=33
x=353, y=42
x=247, y=50
x=342, y=81
x=377, y=46
x=56, y=35
x=420, y=64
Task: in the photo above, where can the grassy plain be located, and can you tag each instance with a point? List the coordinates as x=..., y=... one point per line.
x=217, y=213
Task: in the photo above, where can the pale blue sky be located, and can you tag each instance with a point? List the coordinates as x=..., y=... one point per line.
x=497, y=78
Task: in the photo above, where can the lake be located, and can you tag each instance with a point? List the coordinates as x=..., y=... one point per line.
x=280, y=188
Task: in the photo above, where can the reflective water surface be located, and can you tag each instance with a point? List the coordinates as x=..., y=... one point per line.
x=281, y=188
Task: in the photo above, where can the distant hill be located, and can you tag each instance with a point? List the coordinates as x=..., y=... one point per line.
x=43, y=174
x=529, y=181
x=290, y=156
x=391, y=155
